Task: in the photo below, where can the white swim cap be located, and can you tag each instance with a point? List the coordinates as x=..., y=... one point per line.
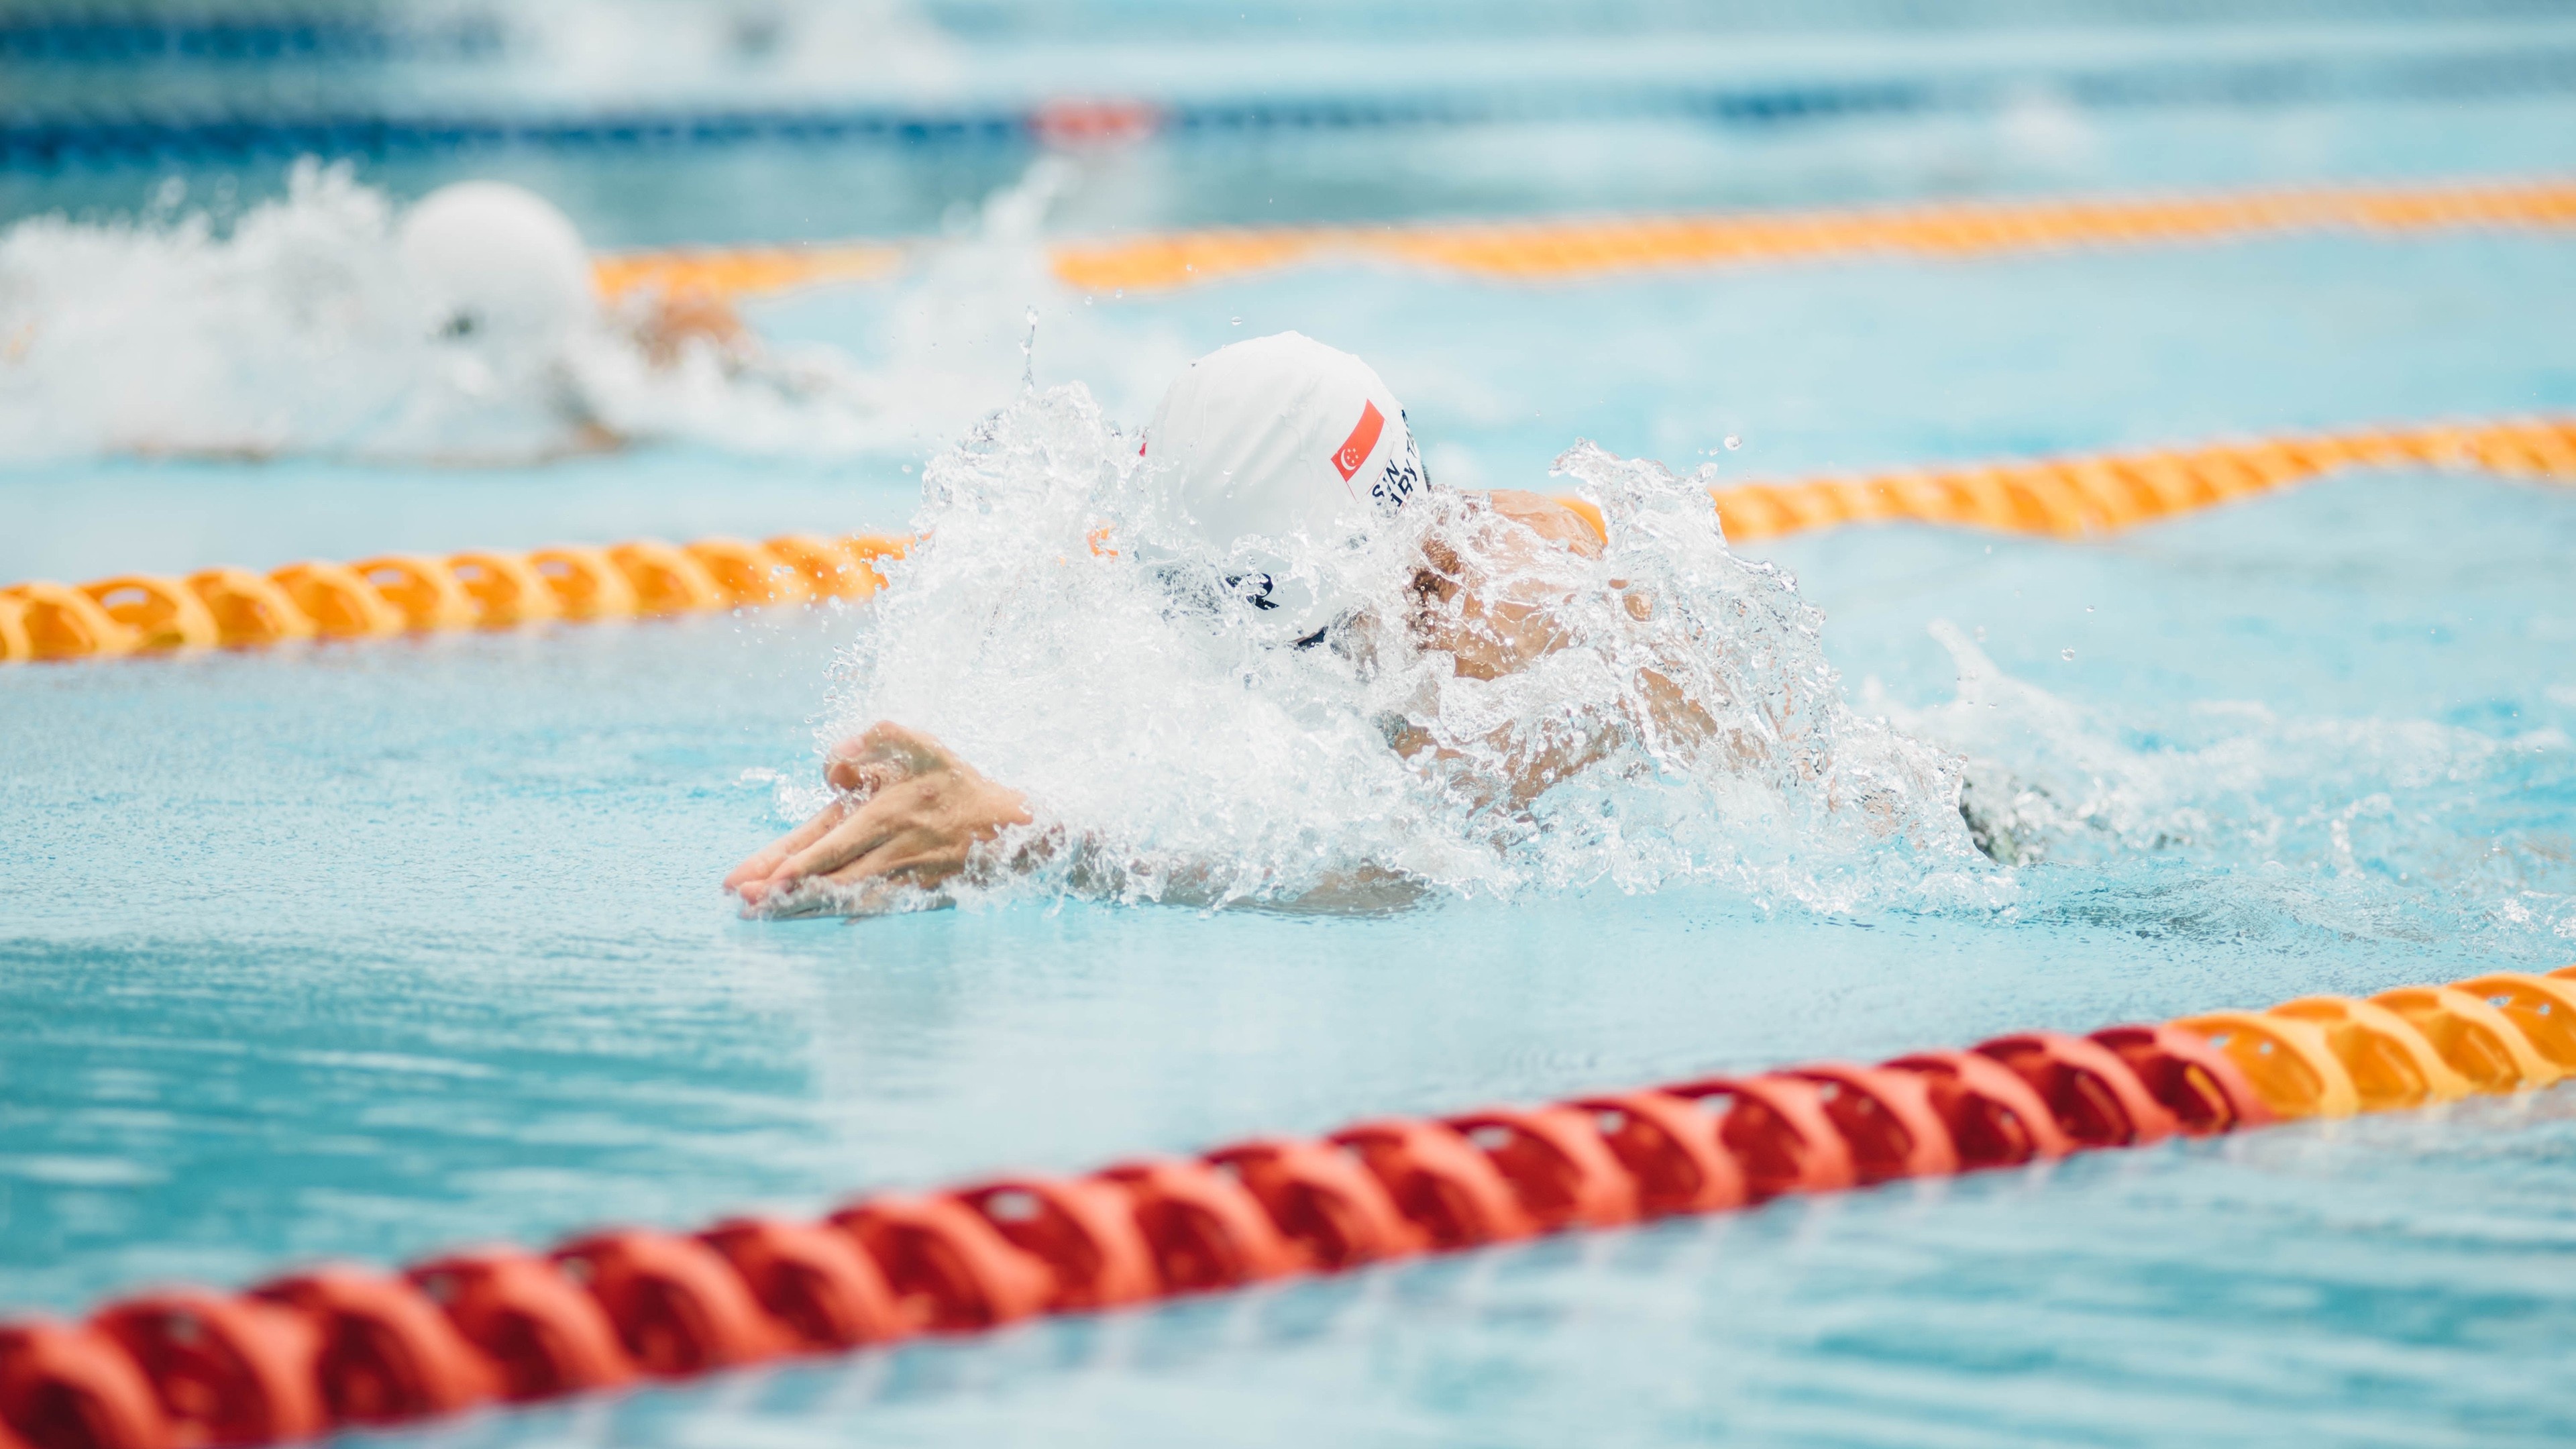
x=1278, y=449
x=497, y=265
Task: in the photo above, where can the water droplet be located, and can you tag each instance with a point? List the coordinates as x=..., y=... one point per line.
x=2088, y=608
x=1733, y=442
x=2066, y=654
x=907, y=467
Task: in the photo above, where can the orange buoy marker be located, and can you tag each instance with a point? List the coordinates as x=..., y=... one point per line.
x=163, y=613
x=341, y=604
x=424, y=590
x=249, y=610
x=750, y=575
x=585, y=582
x=505, y=588
x=58, y=622
x=666, y=580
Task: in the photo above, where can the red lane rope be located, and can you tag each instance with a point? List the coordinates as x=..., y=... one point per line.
x=343, y=1346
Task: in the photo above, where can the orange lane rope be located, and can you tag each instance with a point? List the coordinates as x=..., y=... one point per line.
x=1554, y=248
x=493, y=589
x=2105, y=493
x=742, y=272
x=402, y=593
x=343, y=1346
x=1573, y=247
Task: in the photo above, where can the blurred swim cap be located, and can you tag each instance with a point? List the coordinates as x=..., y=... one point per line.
x=1280, y=448
x=498, y=265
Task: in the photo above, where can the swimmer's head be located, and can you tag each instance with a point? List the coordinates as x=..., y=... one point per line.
x=497, y=266
x=1280, y=449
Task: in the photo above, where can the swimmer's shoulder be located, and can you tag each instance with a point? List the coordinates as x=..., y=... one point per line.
x=1567, y=521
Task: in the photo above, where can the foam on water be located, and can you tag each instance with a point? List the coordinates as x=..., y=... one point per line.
x=297, y=332
x=1699, y=731
x=2398, y=829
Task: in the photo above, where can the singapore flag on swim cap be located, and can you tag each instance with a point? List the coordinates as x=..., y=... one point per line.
x=1281, y=447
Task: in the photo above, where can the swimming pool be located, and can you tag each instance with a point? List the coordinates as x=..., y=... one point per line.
x=363, y=951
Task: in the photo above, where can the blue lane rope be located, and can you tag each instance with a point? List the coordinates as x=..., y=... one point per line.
x=47, y=142
x=81, y=40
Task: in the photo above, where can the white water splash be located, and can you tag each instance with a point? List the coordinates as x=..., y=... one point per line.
x=1197, y=763
x=2404, y=828
x=297, y=333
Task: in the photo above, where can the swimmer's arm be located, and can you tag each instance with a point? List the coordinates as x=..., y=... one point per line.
x=910, y=813
x=1494, y=617
x=1549, y=519
x=1662, y=707
x=1490, y=636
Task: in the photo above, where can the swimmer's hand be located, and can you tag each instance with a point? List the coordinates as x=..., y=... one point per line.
x=910, y=813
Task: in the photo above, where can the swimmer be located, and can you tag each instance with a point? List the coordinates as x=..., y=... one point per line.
x=504, y=286
x=1258, y=443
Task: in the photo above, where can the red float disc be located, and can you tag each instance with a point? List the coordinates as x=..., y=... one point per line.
x=950, y=1271
x=544, y=1333
x=1671, y=1151
x=1204, y=1229
x=1332, y=1212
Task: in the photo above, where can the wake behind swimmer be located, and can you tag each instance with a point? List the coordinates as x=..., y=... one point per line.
x=1291, y=671
x=463, y=329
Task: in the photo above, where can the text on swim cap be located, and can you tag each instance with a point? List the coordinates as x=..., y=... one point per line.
x=1395, y=487
x=1362, y=441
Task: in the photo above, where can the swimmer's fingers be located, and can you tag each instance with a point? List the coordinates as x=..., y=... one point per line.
x=765, y=861
x=867, y=827
x=861, y=768
x=883, y=874
x=903, y=857
x=924, y=814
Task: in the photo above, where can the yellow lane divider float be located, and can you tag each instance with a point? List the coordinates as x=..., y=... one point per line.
x=743, y=272
x=1556, y=247
x=403, y=593
x=489, y=589
x=2105, y=493
x=342, y=1346
x=1530, y=250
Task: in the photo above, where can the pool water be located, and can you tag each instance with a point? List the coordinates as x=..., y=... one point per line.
x=368, y=950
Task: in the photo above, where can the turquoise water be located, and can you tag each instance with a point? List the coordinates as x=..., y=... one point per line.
x=366, y=951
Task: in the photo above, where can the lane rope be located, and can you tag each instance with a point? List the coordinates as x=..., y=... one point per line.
x=343, y=1346
x=743, y=271
x=1559, y=248
x=416, y=593
x=2106, y=493
x=392, y=594
x=108, y=135
x=81, y=35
